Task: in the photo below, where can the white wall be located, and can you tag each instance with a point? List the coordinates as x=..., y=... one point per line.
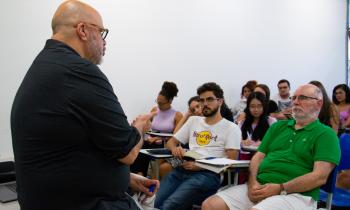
x=189, y=42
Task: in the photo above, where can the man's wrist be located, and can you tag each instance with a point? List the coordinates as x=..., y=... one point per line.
x=282, y=190
x=252, y=181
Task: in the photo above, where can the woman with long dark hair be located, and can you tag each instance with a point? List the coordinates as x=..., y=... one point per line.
x=341, y=98
x=329, y=114
x=271, y=106
x=253, y=127
x=256, y=121
x=239, y=107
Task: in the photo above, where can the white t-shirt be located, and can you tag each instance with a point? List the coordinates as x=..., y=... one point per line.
x=209, y=140
x=282, y=103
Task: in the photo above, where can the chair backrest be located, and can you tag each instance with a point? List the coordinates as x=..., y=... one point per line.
x=331, y=194
x=345, y=152
x=330, y=184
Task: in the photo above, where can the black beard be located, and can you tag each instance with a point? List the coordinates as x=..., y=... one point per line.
x=210, y=113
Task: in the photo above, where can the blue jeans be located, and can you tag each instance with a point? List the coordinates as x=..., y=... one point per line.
x=181, y=188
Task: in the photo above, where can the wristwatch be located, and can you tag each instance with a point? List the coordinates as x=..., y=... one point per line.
x=283, y=191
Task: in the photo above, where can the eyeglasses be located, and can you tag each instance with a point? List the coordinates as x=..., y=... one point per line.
x=303, y=98
x=208, y=100
x=103, y=31
x=256, y=107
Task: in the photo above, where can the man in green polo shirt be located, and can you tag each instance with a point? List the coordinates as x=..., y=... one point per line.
x=293, y=161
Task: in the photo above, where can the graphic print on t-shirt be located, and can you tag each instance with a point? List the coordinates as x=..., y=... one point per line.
x=204, y=137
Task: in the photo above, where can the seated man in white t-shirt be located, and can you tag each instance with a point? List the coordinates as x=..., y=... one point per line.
x=212, y=136
x=283, y=100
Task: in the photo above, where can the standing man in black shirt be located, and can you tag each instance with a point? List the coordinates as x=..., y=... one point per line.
x=72, y=142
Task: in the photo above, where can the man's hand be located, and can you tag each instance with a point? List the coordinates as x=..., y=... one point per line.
x=178, y=152
x=240, y=117
x=252, y=187
x=258, y=192
x=143, y=122
x=248, y=142
x=189, y=165
x=154, y=140
x=142, y=184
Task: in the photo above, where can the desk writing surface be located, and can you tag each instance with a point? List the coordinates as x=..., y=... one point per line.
x=159, y=134
x=156, y=156
x=6, y=158
x=224, y=161
x=9, y=206
x=250, y=148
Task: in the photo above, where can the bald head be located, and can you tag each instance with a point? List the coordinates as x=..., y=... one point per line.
x=80, y=26
x=307, y=103
x=311, y=90
x=71, y=12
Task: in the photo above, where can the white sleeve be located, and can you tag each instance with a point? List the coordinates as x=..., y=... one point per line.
x=233, y=138
x=271, y=120
x=183, y=134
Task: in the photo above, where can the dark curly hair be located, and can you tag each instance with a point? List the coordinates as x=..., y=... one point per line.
x=346, y=89
x=169, y=90
x=262, y=126
x=211, y=86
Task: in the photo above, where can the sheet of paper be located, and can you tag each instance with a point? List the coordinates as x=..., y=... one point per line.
x=223, y=161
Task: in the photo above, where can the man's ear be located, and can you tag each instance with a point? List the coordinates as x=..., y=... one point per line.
x=82, y=32
x=221, y=100
x=320, y=103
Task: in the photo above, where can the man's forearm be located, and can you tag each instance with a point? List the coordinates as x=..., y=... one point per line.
x=171, y=144
x=310, y=180
x=232, y=153
x=302, y=184
x=130, y=158
x=181, y=122
x=254, y=166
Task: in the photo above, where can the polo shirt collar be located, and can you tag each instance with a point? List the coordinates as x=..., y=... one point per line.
x=309, y=127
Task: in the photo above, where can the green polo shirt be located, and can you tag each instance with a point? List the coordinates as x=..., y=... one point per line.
x=291, y=153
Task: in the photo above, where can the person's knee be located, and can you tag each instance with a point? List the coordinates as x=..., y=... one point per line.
x=214, y=202
x=164, y=169
x=208, y=204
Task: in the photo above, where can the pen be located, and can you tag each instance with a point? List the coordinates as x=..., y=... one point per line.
x=209, y=158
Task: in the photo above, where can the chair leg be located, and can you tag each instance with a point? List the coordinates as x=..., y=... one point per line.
x=329, y=201
x=196, y=207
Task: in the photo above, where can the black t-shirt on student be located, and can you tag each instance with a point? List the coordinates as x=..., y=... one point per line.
x=68, y=131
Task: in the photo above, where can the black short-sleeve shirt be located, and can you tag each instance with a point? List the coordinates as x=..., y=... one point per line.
x=68, y=130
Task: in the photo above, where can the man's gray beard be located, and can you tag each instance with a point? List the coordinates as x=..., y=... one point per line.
x=310, y=116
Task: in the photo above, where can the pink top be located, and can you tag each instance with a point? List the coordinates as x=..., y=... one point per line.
x=163, y=122
x=344, y=115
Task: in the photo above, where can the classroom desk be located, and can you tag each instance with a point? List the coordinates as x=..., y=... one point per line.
x=156, y=158
x=13, y=205
x=251, y=148
x=233, y=168
x=10, y=206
